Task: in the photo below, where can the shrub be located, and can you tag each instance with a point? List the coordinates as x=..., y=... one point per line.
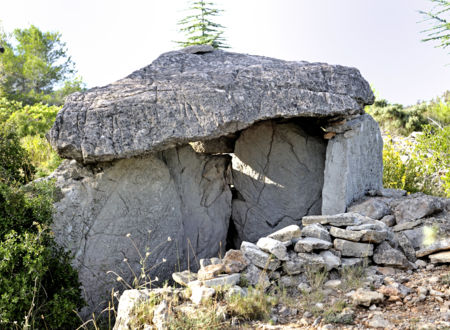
x=42, y=156
x=422, y=167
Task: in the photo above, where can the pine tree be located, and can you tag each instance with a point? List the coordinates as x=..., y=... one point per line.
x=199, y=28
x=439, y=16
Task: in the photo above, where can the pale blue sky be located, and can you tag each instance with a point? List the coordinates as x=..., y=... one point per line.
x=109, y=39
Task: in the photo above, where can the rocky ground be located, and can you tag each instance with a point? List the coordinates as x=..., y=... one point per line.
x=422, y=301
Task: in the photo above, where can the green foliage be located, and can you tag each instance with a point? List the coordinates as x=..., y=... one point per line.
x=15, y=165
x=439, y=17
x=42, y=156
x=425, y=167
x=38, y=287
x=256, y=305
x=33, y=64
x=199, y=28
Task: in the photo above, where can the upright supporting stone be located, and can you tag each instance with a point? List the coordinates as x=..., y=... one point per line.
x=354, y=164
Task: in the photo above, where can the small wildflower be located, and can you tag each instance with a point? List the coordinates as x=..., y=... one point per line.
x=169, y=239
x=156, y=279
x=128, y=235
x=164, y=260
x=119, y=278
x=142, y=275
x=125, y=260
x=147, y=254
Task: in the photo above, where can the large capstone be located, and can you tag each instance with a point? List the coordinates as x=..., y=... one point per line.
x=184, y=97
x=278, y=172
x=174, y=205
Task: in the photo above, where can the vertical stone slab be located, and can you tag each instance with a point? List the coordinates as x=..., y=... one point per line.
x=112, y=214
x=354, y=164
x=278, y=173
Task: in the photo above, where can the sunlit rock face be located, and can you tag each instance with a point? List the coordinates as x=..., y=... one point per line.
x=205, y=147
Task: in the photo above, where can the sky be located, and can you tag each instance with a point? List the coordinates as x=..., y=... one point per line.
x=109, y=39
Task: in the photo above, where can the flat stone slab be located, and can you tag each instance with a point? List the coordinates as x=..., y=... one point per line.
x=407, y=225
x=366, y=297
x=308, y=244
x=437, y=246
x=184, y=97
x=441, y=257
x=350, y=235
x=287, y=233
x=386, y=255
x=316, y=230
x=220, y=280
x=338, y=220
x=258, y=257
x=184, y=277
x=353, y=249
x=273, y=246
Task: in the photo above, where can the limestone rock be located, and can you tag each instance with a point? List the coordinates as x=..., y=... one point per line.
x=441, y=257
x=273, y=246
x=287, y=233
x=386, y=255
x=437, y=246
x=298, y=263
x=338, y=220
x=351, y=262
x=209, y=272
x=201, y=293
x=149, y=202
x=316, y=230
x=308, y=244
x=388, y=220
x=373, y=208
x=256, y=276
x=346, y=234
x=379, y=321
x=184, y=277
x=406, y=246
x=258, y=257
x=331, y=260
x=353, y=165
x=417, y=207
x=353, y=249
x=367, y=298
x=234, y=261
x=196, y=95
x=407, y=225
x=128, y=300
x=161, y=316
x=265, y=157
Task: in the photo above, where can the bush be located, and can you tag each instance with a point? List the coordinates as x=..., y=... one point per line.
x=424, y=167
x=38, y=287
x=42, y=156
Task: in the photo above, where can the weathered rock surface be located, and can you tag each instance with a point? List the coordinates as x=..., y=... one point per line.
x=278, y=172
x=176, y=198
x=373, y=208
x=353, y=249
x=417, y=207
x=287, y=233
x=441, y=257
x=338, y=220
x=273, y=246
x=258, y=257
x=354, y=165
x=316, y=230
x=184, y=97
x=308, y=244
x=386, y=255
x=366, y=297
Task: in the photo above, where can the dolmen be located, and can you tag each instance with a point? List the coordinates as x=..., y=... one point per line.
x=201, y=150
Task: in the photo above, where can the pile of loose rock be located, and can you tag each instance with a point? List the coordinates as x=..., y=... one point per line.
x=387, y=229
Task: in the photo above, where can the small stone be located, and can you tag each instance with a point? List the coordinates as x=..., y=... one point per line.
x=406, y=246
x=353, y=249
x=373, y=307
x=256, y=277
x=308, y=314
x=407, y=225
x=386, y=255
x=388, y=220
x=210, y=272
x=373, y=208
x=332, y=284
x=420, y=263
x=437, y=246
x=422, y=290
x=367, y=298
x=222, y=280
x=304, y=287
x=441, y=257
x=204, y=262
x=387, y=271
x=379, y=322
x=316, y=230
x=287, y=233
x=274, y=247
x=309, y=244
x=201, y=293
x=184, y=277
x=346, y=234
x=235, y=291
x=331, y=260
x=258, y=257
x=351, y=262
x=234, y=261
